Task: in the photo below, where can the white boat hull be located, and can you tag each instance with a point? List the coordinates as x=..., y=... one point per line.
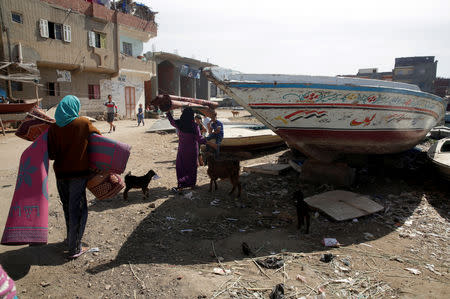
x=439, y=154
x=325, y=116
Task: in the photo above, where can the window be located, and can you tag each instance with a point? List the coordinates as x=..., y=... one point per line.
x=16, y=86
x=97, y=40
x=16, y=17
x=53, y=89
x=94, y=91
x=55, y=31
x=127, y=48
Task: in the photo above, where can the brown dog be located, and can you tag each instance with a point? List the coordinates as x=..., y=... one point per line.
x=235, y=113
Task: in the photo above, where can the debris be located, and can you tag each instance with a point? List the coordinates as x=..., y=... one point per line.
x=170, y=218
x=327, y=257
x=152, y=205
x=187, y=230
x=277, y=292
x=44, y=284
x=343, y=205
x=188, y=195
x=301, y=278
x=271, y=262
x=107, y=287
x=345, y=262
x=398, y=259
x=135, y=276
x=231, y=219
x=330, y=242
x=215, y=202
x=413, y=271
x=156, y=177
x=246, y=249
x=368, y=236
x=431, y=268
x=268, y=168
x=220, y=271
x=179, y=277
x=355, y=220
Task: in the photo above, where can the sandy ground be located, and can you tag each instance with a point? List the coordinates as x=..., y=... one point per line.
x=167, y=245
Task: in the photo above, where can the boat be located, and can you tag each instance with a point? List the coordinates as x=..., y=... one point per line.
x=325, y=117
x=24, y=107
x=249, y=138
x=447, y=117
x=439, y=154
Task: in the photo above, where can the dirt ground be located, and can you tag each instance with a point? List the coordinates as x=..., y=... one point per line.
x=167, y=245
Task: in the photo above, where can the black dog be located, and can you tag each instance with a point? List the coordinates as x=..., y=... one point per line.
x=142, y=182
x=303, y=210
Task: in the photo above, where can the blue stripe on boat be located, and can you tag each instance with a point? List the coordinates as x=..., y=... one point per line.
x=336, y=87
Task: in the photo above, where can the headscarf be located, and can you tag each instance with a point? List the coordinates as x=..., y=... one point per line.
x=186, y=122
x=67, y=110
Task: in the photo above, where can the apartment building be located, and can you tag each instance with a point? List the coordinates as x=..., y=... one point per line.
x=80, y=48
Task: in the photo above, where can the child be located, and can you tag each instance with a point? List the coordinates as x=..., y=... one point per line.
x=140, y=115
x=215, y=129
x=198, y=121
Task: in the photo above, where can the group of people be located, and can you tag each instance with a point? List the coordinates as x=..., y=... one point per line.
x=68, y=140
x=192, y=132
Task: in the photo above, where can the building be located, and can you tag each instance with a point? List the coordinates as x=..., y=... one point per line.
x=178, y=75
x=80, y=48
x=419, y=70
x=442, y=87
x=372, y=73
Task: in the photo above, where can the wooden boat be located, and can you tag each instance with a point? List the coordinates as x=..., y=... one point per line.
x=18, y=107
x=248, y=138
x=325, y=117
x=439, y=153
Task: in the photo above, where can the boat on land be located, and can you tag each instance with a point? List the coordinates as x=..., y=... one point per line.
x=24, y=107
x=325, y=117
x=439, y=154
x=249, y=138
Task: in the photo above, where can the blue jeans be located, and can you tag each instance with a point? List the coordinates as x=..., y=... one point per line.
x=218, y=139
x=72, y=193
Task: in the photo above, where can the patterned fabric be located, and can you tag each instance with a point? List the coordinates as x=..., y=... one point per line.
x=27, y=222
x=107, y=155
x=34, y=124
x=7, y=286
x=105, y=185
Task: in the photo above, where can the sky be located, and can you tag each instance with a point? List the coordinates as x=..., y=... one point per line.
x=304, y=37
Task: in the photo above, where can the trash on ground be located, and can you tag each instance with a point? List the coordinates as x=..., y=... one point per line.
x=268, y=168
x=413, y=271
x=271, y=262
x=215, y=202
x=170, y=218
x=220, y=271
x=156, y=177
x=327, y=257
x=343, y=205
x=301, y=278
x=187, y=230
x=277, y=292
x=330, y=242
x=188, y=195
x=431, y=268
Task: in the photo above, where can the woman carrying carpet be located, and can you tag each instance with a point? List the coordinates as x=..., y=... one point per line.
x=67, y=144
x=188, y=139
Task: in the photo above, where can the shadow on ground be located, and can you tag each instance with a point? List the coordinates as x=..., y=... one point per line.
x=181, y=231
x=18, y=262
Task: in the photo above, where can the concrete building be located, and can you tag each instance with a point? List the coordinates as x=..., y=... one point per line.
x=80, y=48
x=177, y=75
x=372, y=73
x=419, y=70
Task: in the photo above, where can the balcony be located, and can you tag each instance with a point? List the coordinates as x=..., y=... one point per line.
x=104, y=14
x=130, y=64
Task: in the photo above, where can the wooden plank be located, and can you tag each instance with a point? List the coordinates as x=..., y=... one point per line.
x=274, y=169
x=343, y=205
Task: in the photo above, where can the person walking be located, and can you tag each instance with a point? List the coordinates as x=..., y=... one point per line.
x=189, y=137
x=111, y=112
x=140, y=115
x=68, y=140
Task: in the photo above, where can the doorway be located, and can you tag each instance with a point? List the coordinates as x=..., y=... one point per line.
x=130, y=101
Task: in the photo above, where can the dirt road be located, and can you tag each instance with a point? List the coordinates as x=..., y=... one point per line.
x=167, y=246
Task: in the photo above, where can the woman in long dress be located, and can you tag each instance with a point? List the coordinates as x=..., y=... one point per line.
x=189, y=137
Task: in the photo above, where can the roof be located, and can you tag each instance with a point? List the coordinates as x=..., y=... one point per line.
x=175, y=57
